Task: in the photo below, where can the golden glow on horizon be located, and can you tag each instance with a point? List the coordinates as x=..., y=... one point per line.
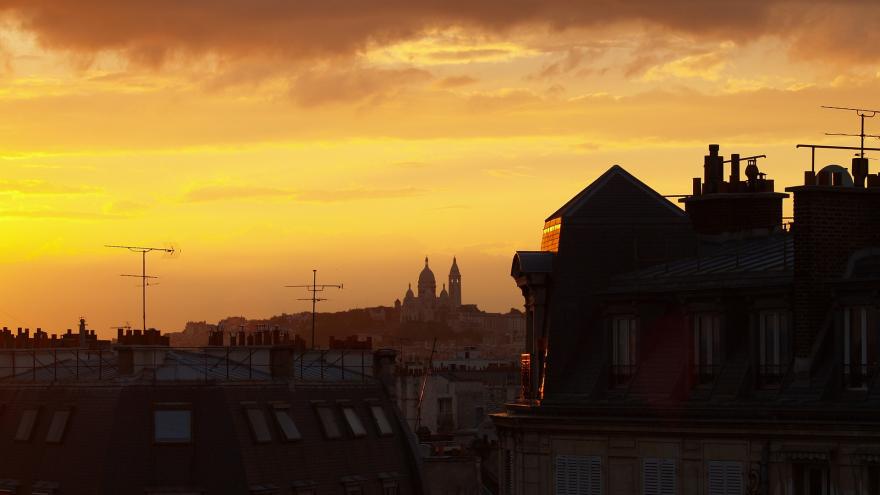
x=358, y=159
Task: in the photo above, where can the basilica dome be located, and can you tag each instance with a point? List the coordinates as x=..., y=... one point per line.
x=427, y=282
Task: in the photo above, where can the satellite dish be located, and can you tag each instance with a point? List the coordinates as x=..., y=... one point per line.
x=844, y=178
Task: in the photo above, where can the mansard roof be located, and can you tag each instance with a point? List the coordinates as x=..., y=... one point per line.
x=618, y=195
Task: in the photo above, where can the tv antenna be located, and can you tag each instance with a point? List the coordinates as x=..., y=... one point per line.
x=862, y=113
x=315, y=288
x=145, y=279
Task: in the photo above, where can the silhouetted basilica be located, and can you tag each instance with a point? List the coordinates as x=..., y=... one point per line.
x=427, y=305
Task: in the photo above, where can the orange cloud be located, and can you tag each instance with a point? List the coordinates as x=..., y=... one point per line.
x=152, y=31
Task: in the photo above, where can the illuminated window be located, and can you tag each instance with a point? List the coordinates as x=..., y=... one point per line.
x=381, y=419
x=624, y=348
x=26, y=425
x=860, y=343
x=355, y=425
x=706, y=347
x=172, y=424
x=258, y=424
x=285, y=423
x=550, y=235
x=58, y=426
x=774, y=353
x=328, y=421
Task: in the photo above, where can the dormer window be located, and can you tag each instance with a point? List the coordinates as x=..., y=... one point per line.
x=706, y=347
x=774, y=347
x=624, y=348
x=860, y=346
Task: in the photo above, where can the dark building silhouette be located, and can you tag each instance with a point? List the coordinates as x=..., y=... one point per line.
x=716, y=350
x=250, y=418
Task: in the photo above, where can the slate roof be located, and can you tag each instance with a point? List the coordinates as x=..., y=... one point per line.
x=108, y=445
x=755, y=261
x=618, y=194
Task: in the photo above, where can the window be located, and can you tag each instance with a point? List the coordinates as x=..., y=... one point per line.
x=285, y=423
x=355, y=425
x=328, y=422
x=172, y=425
x=774, y=354
x=725, y=478
x=578, y=475
x=873, y=478
x=707, y=347
x=258, y=424
x=390, y=488
x=381, y=419
x=624, y=349
x=860, y=344
x=26, y=425
x=658, y=477
x=58, y=426
x=550, y=235
x=810, y=479
x=508, y=471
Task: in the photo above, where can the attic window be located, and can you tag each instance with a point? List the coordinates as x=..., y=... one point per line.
x=285, y=423
x=58, y=426
x=258, y=424
x=328, y=421
x=172, y=423
x=26, y=425
x=354, y=422
x=381, y=420
x=550, y=235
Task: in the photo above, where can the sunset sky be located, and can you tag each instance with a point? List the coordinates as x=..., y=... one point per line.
x=267, y=138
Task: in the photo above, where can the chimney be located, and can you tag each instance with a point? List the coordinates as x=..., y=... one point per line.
x=860, y=171
x=734, y=171
x=733, y=208
x=281, y=361
x=832, y=220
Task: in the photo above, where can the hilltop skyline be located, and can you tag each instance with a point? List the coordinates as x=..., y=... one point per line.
x=269, y=141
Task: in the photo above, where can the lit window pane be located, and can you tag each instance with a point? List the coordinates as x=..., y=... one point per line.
x=354, y=422
x=259, y=427
x=381, y=420
x=328, y=422
x=172, y=426
x=57, y=426
x=26, y=426
x=286, y=424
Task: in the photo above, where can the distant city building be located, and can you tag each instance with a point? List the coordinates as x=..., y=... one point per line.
x=717, y=350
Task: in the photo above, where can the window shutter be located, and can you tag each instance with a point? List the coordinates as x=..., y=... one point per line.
x=725, y=478
x=578, y=475
x=658, y=477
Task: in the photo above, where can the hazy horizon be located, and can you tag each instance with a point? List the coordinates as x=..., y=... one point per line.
x=269, y=141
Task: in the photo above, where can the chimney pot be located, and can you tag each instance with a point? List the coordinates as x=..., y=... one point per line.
x=713, y=149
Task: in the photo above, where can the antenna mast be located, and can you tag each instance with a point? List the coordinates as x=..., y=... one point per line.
x=424, y=385
x=143, y=276
x=862, y=113
x=314, y=288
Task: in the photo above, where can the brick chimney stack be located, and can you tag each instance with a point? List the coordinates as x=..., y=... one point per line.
x=736, y=207
x=834, y=216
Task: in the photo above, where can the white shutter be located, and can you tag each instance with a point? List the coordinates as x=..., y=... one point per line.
x=658, y=476
x=725, y=478
x=578, y=475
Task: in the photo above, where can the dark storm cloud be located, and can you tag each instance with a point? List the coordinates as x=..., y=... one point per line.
x=150, y=31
